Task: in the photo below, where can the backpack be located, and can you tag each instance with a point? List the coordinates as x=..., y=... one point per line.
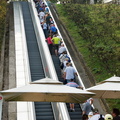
x=68, y=58
x=101, y=117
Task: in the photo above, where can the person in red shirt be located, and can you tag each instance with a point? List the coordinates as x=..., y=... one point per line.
x=50, y=43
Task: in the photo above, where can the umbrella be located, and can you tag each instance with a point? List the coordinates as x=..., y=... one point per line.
x=46, y=92
x=107, y=1
x=46, y=81
x=109, y=88
x=113, y=79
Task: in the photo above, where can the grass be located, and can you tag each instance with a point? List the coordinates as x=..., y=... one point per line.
x=95, y=65
x=92, y=62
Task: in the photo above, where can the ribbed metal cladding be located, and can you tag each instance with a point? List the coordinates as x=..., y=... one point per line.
x=43, y=109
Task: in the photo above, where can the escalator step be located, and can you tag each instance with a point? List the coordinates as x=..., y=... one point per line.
x=45, y=118
x=43, y=110
x=44, y=114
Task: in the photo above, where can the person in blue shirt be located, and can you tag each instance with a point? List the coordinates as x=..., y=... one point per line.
x=41, y=9
x=53, y=29
x=87, y=108
x=73, y=84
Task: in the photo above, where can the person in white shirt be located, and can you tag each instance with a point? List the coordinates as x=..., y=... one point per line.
x=41, y=16
x=46, y=9
x=69, y=73
x=96, y=115
x=63, y=56
x=61, y=49
x=66, y=61
x=44, y=26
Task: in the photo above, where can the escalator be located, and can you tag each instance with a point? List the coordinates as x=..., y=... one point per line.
x=43, y=110
x=77, y=114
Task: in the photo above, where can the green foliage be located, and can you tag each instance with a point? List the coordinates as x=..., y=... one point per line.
x=99, y=27
x=114, y=103
x=2, y=19
x=53, y=1
x=95, y=30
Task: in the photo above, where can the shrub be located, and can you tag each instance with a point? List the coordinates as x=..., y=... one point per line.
x=2, y=19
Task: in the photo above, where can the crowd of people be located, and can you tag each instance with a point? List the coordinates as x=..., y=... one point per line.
x=95, y=115
x=50, y=31
x=57, y=47
x=90, y=113
x=54, y=41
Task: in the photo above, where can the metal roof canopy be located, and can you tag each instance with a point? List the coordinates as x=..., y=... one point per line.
x=109, y=88
x=107, y=1
x=43, y=90
x=113, y=79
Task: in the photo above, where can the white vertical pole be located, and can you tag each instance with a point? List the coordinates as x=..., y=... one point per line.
x=1, y=102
